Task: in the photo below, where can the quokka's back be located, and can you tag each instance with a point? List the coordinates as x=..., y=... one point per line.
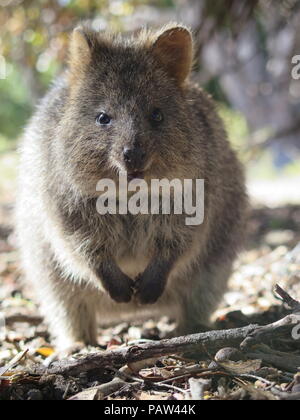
x=126, y=105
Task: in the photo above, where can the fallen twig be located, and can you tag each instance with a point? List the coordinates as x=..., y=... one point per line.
x=286, y=298
x=14, y=362
x=22, y=318
x=202, y=343
x=262, y=332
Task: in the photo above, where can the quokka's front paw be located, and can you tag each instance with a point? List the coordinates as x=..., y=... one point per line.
x=121, y=289
x=149, y=288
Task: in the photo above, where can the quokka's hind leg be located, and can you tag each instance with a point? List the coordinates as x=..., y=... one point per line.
x=201, y=299
x=71, y=316
x=69, y=309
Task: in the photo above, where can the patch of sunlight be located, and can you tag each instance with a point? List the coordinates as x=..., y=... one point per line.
x=293, y=169
x=8, y=174
x=262, y=167
x=236, y=126
x=6, y=144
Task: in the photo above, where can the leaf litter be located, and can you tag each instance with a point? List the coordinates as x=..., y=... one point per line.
x=272, y=257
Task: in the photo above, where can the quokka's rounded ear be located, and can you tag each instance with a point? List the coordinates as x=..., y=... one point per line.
x=80, y=49
x=173, y=47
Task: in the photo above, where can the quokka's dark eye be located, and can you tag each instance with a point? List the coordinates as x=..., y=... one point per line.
x=157, y=116
x=103, y=119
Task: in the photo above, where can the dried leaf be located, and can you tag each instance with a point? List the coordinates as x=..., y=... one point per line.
x=45, y=351
x=114, y=343
x=148, y=396
x=256, y=393
x=241, y=368
x=91, y=394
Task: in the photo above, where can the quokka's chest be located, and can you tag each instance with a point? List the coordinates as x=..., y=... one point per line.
x=130, y=237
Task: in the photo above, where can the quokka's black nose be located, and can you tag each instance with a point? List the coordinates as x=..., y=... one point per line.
x=134, y=157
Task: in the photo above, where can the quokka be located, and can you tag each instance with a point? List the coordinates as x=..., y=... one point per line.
x=126, y=103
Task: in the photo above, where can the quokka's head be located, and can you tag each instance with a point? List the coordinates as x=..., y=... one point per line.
x=127, y=106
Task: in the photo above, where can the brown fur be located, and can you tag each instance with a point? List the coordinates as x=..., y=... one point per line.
x=125, y=266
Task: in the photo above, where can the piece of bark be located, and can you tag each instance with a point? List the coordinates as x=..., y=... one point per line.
x=198, y=386
x=285, y=361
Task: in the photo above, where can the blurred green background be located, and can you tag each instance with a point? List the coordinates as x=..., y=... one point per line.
x=243, y=57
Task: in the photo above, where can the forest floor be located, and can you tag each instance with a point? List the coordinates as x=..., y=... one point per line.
x=271, y=257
